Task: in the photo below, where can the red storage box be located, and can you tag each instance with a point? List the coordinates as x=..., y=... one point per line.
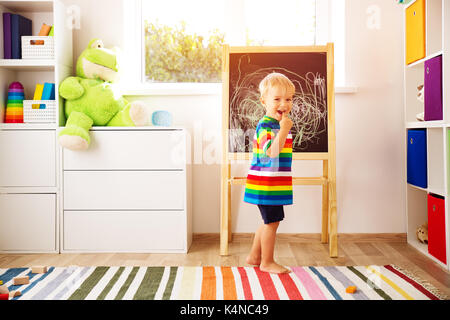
x=436, y=227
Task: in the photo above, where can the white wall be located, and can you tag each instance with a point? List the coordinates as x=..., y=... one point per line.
x=94, y=19
x=369, y=124
x=369, y=129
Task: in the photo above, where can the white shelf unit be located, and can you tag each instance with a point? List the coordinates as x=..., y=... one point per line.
x=437, y=42
x=30, y=184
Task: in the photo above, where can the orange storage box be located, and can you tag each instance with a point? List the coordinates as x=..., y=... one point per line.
x=415, y=31
x=436, y=227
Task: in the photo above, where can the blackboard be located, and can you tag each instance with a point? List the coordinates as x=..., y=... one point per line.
x=308, y=72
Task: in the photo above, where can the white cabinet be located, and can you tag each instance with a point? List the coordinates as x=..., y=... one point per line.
x=28, y=158
x=28, y=222
x=129, y=192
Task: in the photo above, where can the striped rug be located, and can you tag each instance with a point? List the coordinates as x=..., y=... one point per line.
x=219, y=283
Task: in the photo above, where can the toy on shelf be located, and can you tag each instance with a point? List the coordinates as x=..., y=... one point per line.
x=14, y=106
x=94, y=98
x=421, y=98
x=421, y=93
x=422, y=233
x=162, y=118
x=45, y=30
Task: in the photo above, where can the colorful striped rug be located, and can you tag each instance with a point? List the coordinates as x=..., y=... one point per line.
x=219, y=283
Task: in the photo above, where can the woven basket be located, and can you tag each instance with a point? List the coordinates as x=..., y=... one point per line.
x=46, y=50
x=47, y=115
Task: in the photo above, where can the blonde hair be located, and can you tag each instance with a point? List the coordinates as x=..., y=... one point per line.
x=275, y=79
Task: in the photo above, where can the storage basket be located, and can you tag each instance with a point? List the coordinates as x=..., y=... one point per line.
x=46, y=115
x=38, y=51
x=416, y=155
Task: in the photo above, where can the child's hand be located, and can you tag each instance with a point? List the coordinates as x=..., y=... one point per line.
x=285, y=122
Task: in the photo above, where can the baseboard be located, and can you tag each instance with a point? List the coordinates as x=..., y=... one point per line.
x=310, y=237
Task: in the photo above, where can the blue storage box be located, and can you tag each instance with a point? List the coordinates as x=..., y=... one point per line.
x=417, y=157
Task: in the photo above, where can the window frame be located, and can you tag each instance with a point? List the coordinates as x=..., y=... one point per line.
x=330, y=27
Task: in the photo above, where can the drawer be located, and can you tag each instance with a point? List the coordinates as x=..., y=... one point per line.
x=28, y=158
x=433, y=89
x=436, y=227
x=138, y=150
x=415, y=31
x=416, y=164
x=121, y=190
x=28, y=222
x=124, y=231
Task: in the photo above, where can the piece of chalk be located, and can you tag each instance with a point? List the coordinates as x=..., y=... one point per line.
x=351, y=289
x=4, y=296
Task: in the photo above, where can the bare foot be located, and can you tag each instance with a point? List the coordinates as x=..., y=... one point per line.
x=253, y=260
x=274, y=268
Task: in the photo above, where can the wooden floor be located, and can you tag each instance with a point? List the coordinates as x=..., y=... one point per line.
x=289, y=251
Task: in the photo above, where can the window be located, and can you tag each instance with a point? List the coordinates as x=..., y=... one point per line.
x=181, y=41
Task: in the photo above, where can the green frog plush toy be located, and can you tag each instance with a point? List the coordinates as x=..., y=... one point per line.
x=93, y=98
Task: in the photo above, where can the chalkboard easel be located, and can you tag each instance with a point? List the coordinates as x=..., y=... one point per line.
x=311, y=68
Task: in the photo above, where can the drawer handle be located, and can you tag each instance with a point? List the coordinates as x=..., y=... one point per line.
x=411, y=140
x=414, y=12
x=428, y=70
x=434, y=207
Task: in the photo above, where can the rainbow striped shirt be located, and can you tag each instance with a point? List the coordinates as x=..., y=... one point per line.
x=269, y=180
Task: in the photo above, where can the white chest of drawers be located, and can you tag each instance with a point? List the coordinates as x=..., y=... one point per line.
x=129, y=192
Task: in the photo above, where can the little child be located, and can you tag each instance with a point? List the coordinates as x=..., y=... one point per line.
x=269, y=181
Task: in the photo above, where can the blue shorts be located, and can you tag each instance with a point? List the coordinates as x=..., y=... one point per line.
x=271, y=214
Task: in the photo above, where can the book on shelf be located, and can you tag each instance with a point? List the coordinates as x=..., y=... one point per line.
x=37, y=95
x=6, y=35
x=48, y=93
x=44, y=91
x=20, y=26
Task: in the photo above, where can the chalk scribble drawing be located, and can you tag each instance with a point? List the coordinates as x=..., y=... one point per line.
x=309, y=111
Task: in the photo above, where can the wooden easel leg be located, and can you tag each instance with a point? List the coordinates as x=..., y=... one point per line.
x=333, y=221
x=229, y=209
x=325, y=210
x=331, y=153
x=224, y=212
x=225, y=194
